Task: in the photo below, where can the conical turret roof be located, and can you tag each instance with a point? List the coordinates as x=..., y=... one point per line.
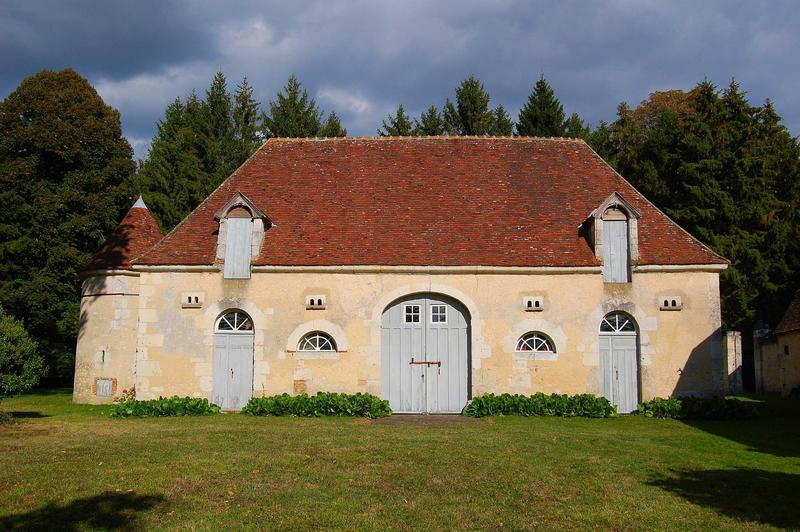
x=136, y=233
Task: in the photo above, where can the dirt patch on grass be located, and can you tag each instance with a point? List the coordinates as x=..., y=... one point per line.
x=424, y=420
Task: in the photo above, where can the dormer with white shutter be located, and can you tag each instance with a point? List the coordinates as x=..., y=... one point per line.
x=241, y=235
x=614, y=235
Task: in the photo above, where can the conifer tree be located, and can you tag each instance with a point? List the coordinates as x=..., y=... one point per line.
x=197, y=145
x=502, y=126
x=245, y=122
x=295, y=114
x=575, y=127
x=470, y=115
x=430, y=123
x=332, y=127
x=399, y=124
x=543, y=114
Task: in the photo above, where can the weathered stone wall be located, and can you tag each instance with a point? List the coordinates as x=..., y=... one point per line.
x=780, y=363
x=108, y=335
x=680, y=351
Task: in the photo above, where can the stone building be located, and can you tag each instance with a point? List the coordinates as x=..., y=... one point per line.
x=777, y=361
x=423, y=270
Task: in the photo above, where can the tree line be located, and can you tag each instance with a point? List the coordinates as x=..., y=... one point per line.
x=724, y=169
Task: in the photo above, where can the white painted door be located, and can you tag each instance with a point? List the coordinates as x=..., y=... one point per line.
x=233, y=361
x=619, y=362
x=425, y=355
x=233, y=370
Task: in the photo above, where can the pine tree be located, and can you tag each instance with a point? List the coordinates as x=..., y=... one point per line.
x=502, y=126
x=245, y=122
x=332, y=127
x=197, y=145
x=399, y=124
x=430, y=123
x=65, y=181
x=293, y=113
x=470, y=115
x=575, y=127
x=543, y=114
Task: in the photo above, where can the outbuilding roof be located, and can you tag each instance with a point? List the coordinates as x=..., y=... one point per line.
x=427, y=201
x=791, y=318
x=135, y=234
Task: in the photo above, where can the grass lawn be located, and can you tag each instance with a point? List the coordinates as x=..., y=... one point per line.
x=75, y=467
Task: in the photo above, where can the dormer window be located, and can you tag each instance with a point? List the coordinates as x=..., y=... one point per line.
x=241, y=234
x=615, y=238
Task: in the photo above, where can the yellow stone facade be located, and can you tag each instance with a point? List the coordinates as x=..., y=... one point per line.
x=135, y=329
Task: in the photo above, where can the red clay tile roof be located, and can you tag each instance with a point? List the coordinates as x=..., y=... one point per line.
x=426, y=201
x=135, y=234
x=791, y=318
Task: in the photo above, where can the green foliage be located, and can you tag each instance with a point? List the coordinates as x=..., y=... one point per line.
x=399, y=124
x=697, y=408
x=164, y=407
x=21, y=365
x=65, y=182
x=322, y=404
x=294, y=114
x=197, y=145
x=727, y=172
x=470, y=115
x=502, y=125
x=539, y=404
x=430, y=123
x=543, y=114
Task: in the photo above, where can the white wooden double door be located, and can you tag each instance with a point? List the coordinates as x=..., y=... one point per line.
x=425, y=355
x=233, y=370
x=619, y=371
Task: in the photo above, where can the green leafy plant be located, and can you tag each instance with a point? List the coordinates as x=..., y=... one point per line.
x=322, y=404
x=539, y=404
x=697, y=408
x=163, y=407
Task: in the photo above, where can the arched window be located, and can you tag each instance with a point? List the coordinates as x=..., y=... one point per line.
x=317, y=341
x=235, y=321
x=536, y=342
x=617, y=322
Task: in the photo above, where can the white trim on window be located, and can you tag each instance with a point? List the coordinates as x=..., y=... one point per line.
x=439, y=314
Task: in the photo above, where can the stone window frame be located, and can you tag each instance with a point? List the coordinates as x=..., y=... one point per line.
x=240, y=206
x=615, y=202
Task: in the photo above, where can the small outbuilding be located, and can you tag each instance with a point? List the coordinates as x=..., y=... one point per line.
x=778, y=367
x=424, y=270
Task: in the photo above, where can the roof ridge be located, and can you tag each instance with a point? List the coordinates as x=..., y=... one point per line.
x=424, y=137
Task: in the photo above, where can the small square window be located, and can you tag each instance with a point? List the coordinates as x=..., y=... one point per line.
x=438, y=314
x=411, y=314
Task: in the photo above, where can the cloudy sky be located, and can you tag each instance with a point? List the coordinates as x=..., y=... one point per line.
x=363, y=58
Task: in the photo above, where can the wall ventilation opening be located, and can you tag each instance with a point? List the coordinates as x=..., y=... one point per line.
x=192, y=299
x=316, y=302
x=533, y=303
x=670, y=303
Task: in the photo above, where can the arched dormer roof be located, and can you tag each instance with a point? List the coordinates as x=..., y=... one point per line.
x=240, y=201
x=615, y=201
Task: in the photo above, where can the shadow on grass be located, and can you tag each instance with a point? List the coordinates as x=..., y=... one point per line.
x=775, y=431
x=26, y=415
x=107, y=511
x=764, y=497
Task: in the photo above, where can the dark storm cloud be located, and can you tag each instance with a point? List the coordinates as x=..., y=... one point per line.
x=363, y=58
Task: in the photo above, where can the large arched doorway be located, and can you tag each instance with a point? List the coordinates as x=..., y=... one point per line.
x=233, y=360
x=425, y=354
x=619, y=361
